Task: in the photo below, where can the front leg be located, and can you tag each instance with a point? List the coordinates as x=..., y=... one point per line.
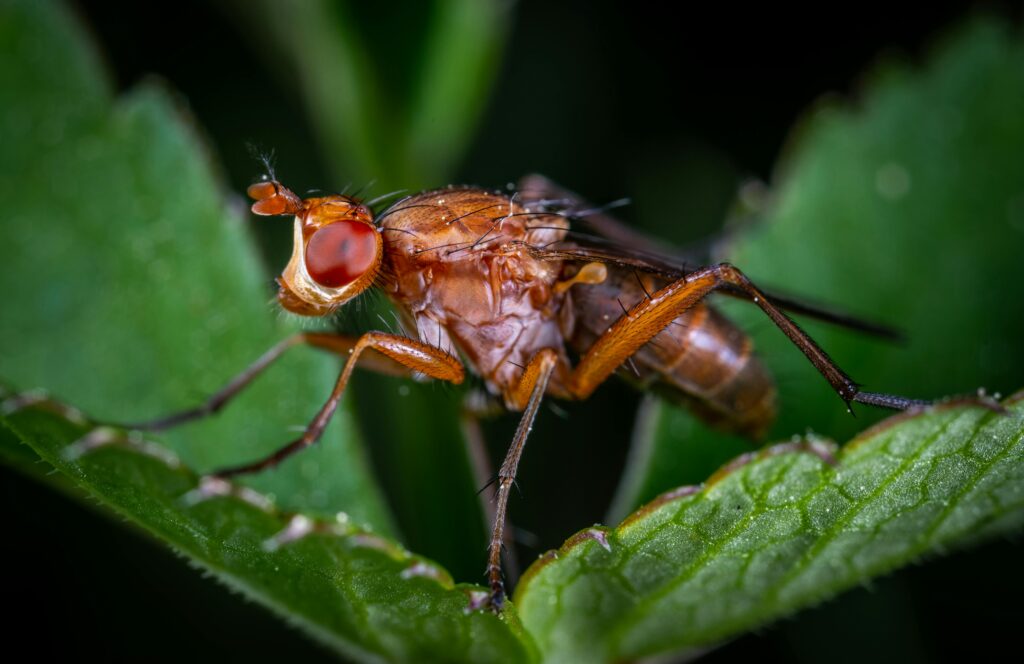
x=338, y=344
x=413, y=355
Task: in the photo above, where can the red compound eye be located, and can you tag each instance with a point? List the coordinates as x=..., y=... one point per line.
x=340, y=253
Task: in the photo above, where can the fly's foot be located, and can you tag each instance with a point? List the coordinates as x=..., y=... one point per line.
x=494, y=599
x=985, y=400
x=478, y=600
x=497, y=597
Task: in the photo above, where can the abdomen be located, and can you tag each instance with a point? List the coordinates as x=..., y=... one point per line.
x=701, y=360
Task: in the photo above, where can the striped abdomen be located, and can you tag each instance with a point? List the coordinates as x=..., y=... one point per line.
x=701, y=360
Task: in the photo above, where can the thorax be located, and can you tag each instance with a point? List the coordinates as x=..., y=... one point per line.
x=458, y=266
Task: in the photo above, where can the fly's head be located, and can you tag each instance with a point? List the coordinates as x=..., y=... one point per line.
x=337, y=250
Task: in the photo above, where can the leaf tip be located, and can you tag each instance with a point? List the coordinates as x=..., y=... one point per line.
x=663, y=499
x=597, y=534
x=422, y=568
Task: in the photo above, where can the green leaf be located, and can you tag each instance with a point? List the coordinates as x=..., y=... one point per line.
x=906, y=207
x=131, y=289
x=670, y=447
x=17, y=455
x=356, y=591
x=776, y=531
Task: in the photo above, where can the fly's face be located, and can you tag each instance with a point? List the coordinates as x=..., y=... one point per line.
x=336, y=253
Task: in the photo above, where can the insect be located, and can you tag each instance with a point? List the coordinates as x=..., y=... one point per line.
x=502, y=284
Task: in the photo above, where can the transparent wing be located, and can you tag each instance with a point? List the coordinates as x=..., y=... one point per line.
x=607, y=240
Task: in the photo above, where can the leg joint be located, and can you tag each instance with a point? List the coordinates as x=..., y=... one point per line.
x=729, y=272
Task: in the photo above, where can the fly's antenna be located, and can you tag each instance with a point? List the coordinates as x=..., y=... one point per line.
x=265, y=157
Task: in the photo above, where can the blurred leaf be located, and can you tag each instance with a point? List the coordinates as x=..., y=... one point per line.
x=358, y=593
x=907, y=208
x=405, y=128
x=774, y=532
x=459, y=65
x=131, y=290
x=327, y=61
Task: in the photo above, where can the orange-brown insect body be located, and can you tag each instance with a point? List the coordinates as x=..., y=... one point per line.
x=701, y=361
x=454, y=265
x=457, y=264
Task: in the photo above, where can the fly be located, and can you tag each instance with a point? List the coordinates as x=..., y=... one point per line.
x=502, y=285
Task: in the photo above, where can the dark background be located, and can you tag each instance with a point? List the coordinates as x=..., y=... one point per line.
x=611, y=99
